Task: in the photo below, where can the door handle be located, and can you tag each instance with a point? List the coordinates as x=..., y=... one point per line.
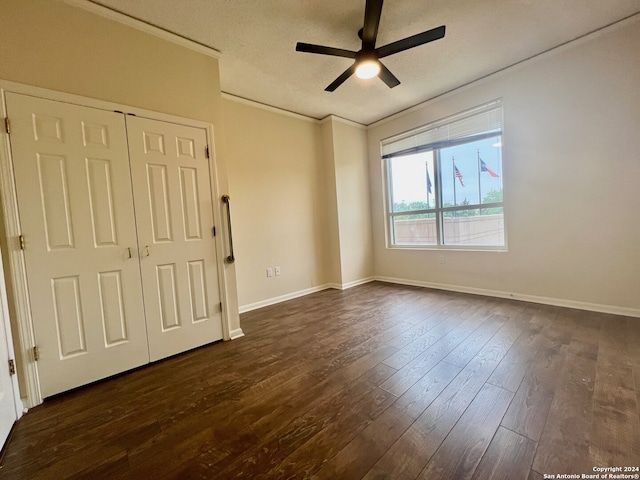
x=230, y=258
x=129, y=250
x=146, y=250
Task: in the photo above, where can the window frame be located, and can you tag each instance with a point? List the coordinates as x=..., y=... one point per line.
x=438, y=211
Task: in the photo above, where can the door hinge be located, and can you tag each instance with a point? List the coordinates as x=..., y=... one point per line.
x=7, y=125
x=206, y=151
x=12, y=367
x=21, y=240
x=36, y=353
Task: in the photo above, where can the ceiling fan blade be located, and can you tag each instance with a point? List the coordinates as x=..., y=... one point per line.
x=335, y=52
x=387, y=77
x=372, y=13
x=341, y=79
x=410, y=42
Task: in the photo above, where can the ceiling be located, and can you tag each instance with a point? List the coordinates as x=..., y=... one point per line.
x=257, y=41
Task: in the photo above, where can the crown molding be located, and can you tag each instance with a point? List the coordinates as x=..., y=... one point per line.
x=124, y=19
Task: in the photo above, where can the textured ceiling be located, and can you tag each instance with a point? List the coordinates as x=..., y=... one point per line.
x=257, y=39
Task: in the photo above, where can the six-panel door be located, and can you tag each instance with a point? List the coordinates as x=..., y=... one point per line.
x=76, y=212
x=172, y=195
x=117, y=219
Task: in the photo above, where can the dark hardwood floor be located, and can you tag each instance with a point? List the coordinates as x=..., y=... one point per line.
x=379, y=381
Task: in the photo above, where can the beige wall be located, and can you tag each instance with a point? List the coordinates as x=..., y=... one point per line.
x=300, y=195
x=332, y=225
x=303, y=199
x=50, y=44
x=571, y=172
x=277, y=181
x=53, y=45
x=352, y=201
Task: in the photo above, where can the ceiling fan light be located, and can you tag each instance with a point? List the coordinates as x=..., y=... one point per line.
x=368, y=69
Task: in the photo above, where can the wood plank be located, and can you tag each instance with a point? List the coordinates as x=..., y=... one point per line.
x=299, y=396
x=508, y=457
x=565, y=439
x=277, y=445
x=636, y=372
x=528, y=411
x=533, y=475
x=461, y=452
x=415, y=348
x=366, y=367
x=469, y=347
x=315, y=453
x=377, y=473
x=615, y=432
x=514, y=365
x=404, y=378
x=410, y=453
x=361, y=453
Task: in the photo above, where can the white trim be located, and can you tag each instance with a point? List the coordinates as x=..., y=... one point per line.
x=302, y=293
x=237, y=333
x=225, y=297
x=9, y=86
x=269, y=108
x=558, y=302
x=129, y=21
x=355, y=283
x=9, y=200
x=345, y=121
x=17, y=271
x=8, y=337
x=285, y=297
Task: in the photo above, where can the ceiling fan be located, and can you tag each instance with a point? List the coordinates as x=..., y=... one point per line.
x=367, y=61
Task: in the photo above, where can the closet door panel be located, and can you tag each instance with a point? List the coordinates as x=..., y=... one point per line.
x=174, y=213
x=76, y=211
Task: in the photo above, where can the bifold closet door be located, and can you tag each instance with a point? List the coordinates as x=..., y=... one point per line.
x=174, y=215
x=76, y=212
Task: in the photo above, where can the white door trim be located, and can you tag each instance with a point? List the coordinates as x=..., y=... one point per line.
x=4, y=324
x=9, y=201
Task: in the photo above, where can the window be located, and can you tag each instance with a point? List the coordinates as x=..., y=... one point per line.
x=444, y=182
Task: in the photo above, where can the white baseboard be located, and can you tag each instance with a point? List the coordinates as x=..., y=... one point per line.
x=355, y=283
x=283, y=298
x=558, y=302
x=236, y=333
x=301, y=293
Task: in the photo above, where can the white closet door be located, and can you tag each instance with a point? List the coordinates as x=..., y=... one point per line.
x=76, y=211
x=174, y=214
x=8, y=387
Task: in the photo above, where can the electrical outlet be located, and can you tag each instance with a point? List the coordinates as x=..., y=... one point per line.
x=441, y=258
x=277, y=269
x=269, y=272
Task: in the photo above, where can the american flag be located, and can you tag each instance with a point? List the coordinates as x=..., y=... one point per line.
x=458, y=174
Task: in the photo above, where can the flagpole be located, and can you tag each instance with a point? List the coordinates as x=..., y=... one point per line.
x=426, y=168
x=479, y=176
x=453, y=171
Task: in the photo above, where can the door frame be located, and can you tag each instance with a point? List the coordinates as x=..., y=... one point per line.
x=4, y=324
x=19, y=296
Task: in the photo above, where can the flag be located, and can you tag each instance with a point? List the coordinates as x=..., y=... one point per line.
x=484, y=168
x=429, y=185
x=458, y=174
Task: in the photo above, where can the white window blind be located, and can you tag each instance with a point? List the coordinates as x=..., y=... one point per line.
x=476, y=123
